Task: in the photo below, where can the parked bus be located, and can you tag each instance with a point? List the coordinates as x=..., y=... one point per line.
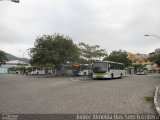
x=81, y=69
x=142, y=71
x=41, y=70
x=108, y=69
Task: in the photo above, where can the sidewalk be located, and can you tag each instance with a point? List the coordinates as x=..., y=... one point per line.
x=157, y=99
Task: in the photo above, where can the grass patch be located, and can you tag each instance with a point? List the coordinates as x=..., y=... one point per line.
x=148, y=99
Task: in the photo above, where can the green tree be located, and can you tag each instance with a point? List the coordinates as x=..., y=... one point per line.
x=54, y=50
x=156, y=59
x=91, y=53
x=119, y=56
x=2, y=57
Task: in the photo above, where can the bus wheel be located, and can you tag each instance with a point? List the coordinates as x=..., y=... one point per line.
x=112, y=76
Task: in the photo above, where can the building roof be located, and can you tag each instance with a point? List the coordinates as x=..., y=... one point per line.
x=16, y=62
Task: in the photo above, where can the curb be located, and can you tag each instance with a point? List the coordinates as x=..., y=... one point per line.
x=155, y=100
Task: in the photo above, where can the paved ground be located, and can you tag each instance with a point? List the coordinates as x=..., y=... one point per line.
x=24, y=94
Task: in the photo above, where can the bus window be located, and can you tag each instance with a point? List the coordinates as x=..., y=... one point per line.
x=100, y=67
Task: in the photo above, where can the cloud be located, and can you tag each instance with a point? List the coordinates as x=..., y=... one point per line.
x=116, y=24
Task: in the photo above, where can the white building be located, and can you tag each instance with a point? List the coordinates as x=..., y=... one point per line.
x=14, y=63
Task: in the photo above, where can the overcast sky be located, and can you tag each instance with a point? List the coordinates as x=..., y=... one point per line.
x=112, y=24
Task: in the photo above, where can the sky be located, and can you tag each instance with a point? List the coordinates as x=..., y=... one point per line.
x=111, y=24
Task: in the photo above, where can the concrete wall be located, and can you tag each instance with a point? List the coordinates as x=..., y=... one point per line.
x=3, y=70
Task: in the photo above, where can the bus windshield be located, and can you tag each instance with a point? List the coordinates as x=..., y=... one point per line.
x=99, y=67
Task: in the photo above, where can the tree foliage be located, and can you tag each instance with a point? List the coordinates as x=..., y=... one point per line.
x=2, y=57
x=91, y=53
x=156, y=59
x=54, y=50
x=138, y=66
x=119, y=56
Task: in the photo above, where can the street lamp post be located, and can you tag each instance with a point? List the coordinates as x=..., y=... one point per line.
x=15, y=1
x=153, y=35
x=24, y=60
x=25, y=52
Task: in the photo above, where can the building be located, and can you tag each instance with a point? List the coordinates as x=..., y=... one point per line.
x=15, y=63
x=157, y=51
x=4, y=69
x=151, y=54
x=139, y=58
x=143, y=59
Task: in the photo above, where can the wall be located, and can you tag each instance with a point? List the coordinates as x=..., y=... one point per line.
x=3, y=70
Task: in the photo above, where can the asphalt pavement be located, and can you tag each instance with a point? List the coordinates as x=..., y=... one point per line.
x=32, y=94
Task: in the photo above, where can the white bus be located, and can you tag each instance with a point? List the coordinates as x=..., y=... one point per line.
x=142, y=71
x=37, y=71
x=41, y=70
x=81, y=69
x=108, y=69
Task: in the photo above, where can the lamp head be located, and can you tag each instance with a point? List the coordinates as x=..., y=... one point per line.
x=16, y=1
